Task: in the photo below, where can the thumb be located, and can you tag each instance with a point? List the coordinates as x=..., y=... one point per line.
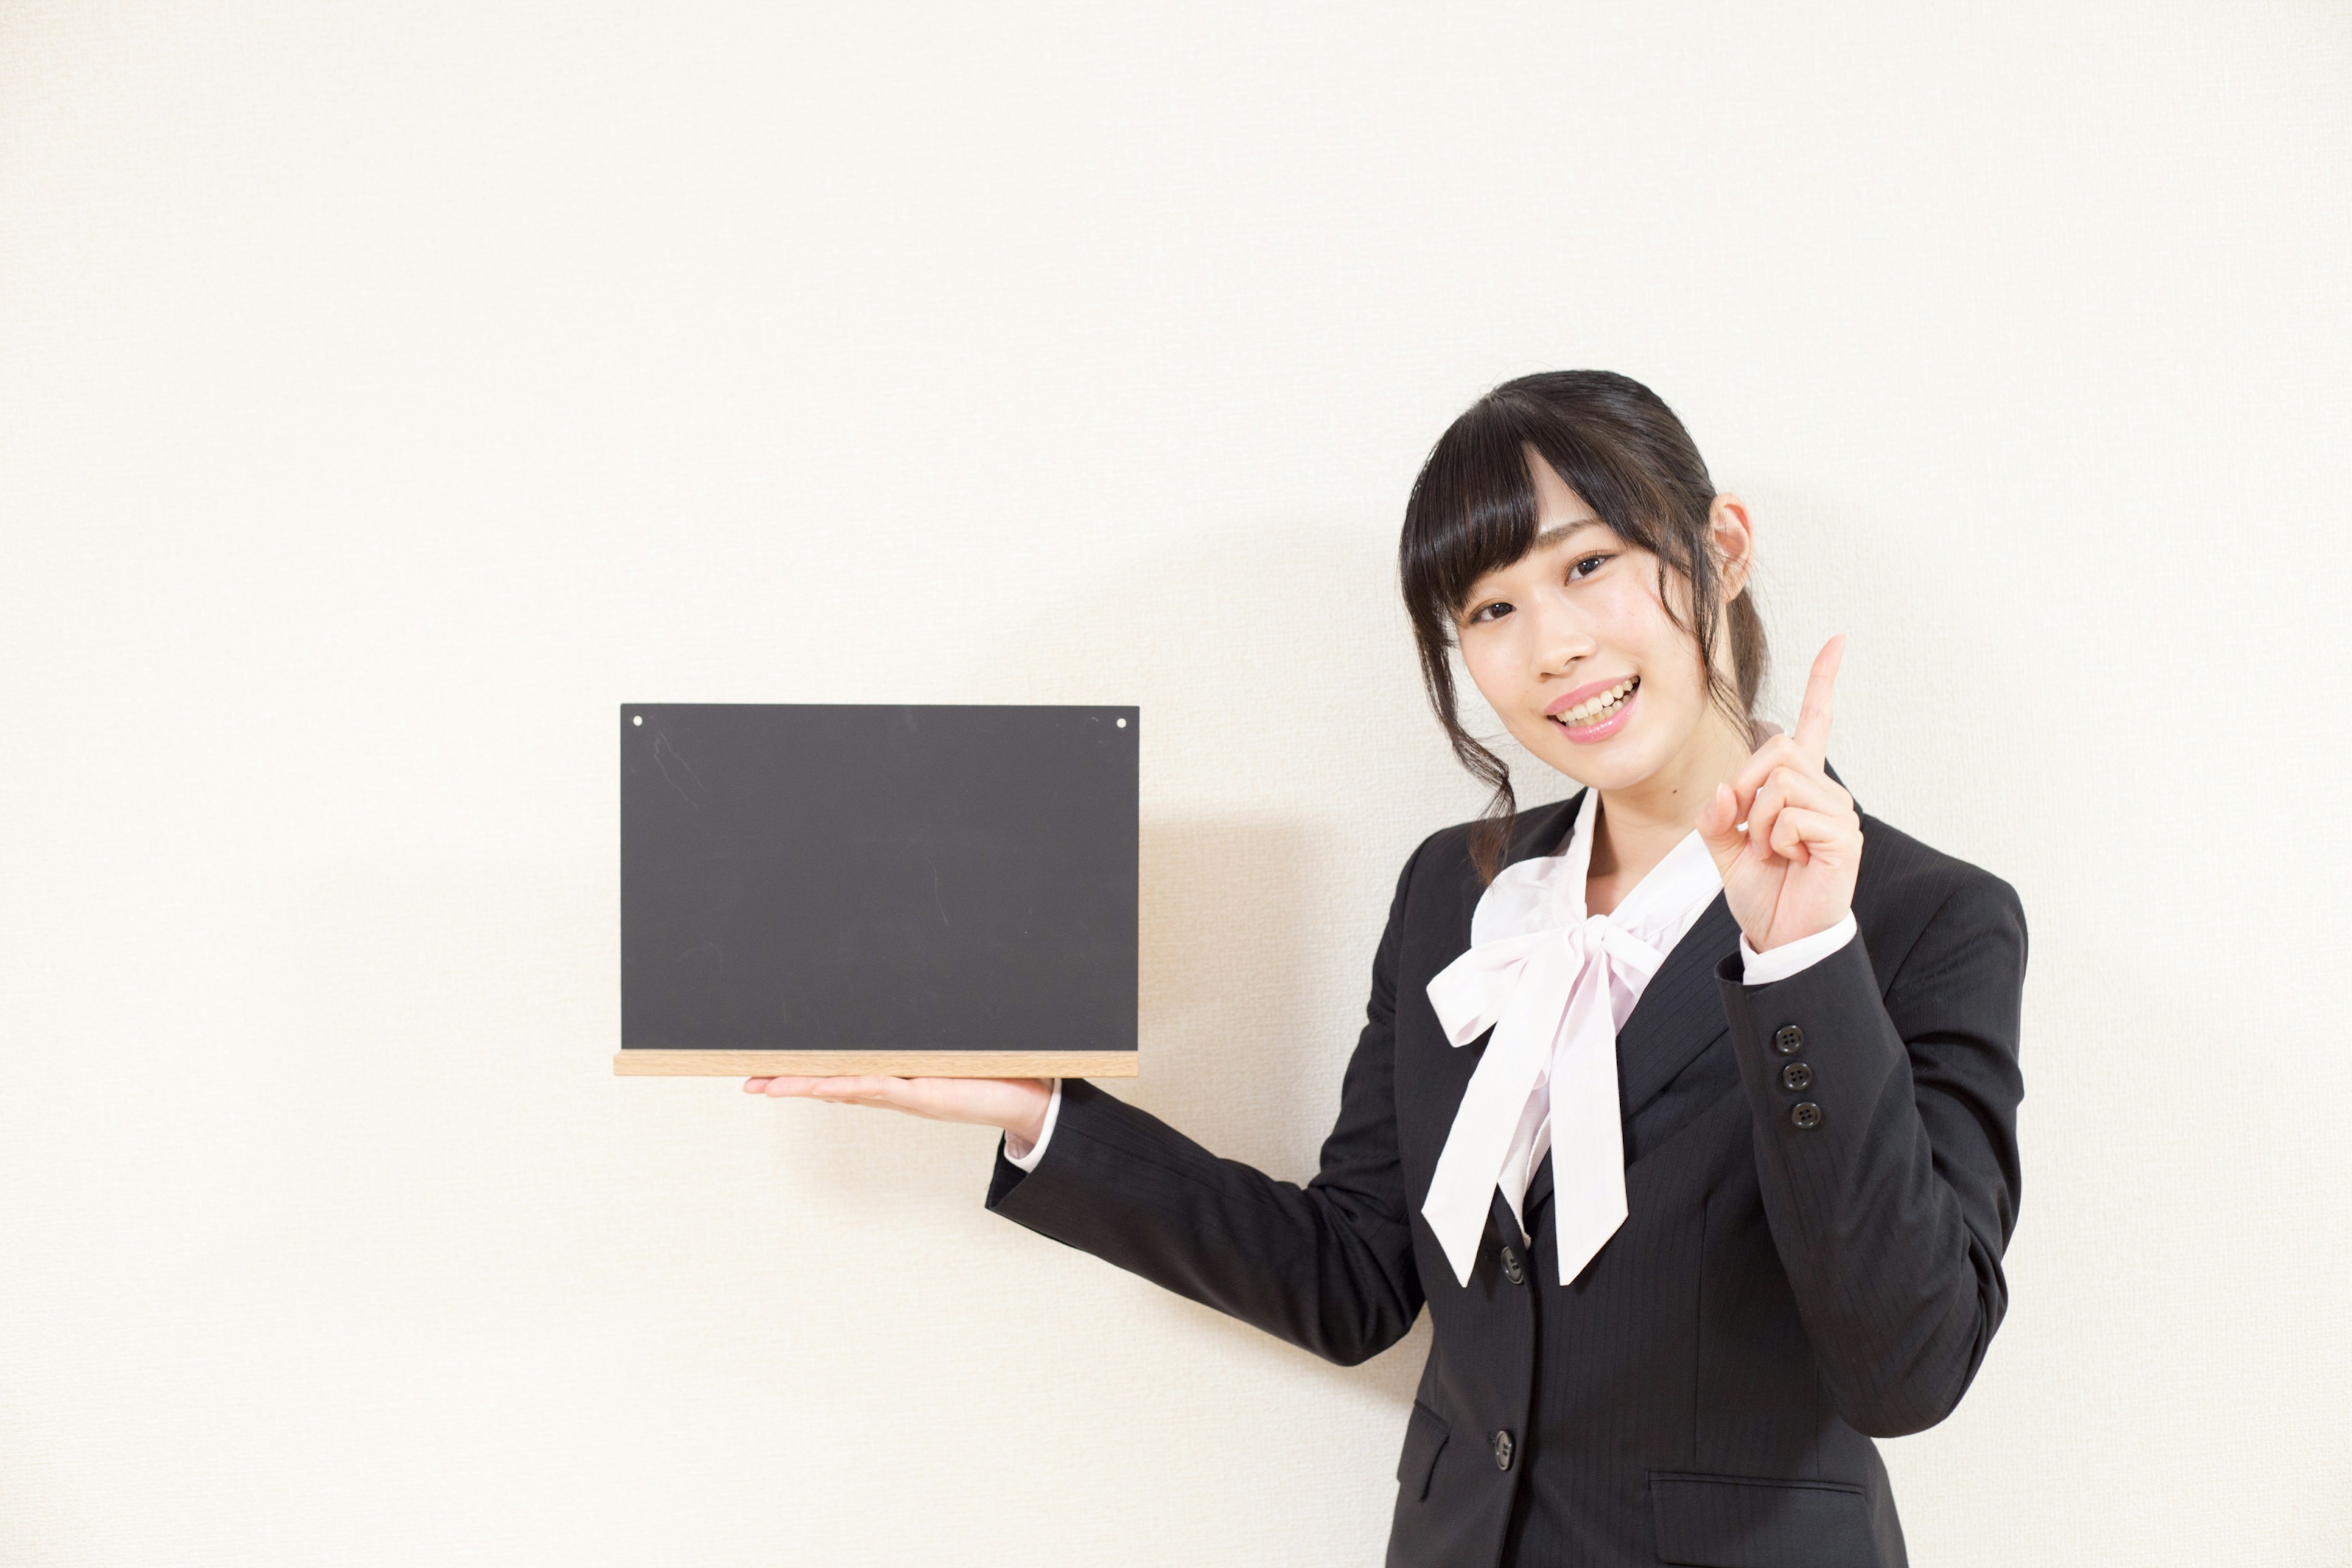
x=1718, y=826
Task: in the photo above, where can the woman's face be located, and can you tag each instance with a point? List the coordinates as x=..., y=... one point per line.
x=1573, y=646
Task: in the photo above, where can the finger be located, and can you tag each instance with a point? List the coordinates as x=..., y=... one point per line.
x=1813, y=718
x=786, y=1088
x=939, y=1096
x=1806, y=787
x=1799, y=831
x=1718, y=826
x=941, y=1100
x=1762, y=812
x=859, y=1086
x=1788, y=839
x=755, y=1086
x=1784, y=785
x=1779, y=751
x=1791, y=784
x=907, y=1094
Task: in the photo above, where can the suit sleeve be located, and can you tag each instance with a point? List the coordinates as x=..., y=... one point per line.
x=1327, y=1267
x=1885, y=1132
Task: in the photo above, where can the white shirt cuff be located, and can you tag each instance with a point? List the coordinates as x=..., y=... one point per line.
x=1036, y=1152
x=1780, y=963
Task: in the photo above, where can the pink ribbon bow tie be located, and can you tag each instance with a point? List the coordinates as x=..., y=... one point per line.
x=1545, y=992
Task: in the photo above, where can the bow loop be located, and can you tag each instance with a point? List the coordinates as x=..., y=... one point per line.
x=1471, y=994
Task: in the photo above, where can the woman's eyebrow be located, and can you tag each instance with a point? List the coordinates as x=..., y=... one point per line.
x=1559, y=530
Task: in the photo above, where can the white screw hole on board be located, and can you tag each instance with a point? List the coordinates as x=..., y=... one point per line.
x=1122, y=723
x=638, y=720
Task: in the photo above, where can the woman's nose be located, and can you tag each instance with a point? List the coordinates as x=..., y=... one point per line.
x=1562, y=642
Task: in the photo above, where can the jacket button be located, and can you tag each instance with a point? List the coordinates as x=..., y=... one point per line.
x=1501, y=1443
x=1806, y=1114
x=1511, y=1269
x=1796, y=1076
x=1790, y=1040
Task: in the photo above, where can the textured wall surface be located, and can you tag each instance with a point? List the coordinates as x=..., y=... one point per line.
x=387, y=392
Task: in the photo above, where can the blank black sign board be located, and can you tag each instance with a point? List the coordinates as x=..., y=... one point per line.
x=840, y=887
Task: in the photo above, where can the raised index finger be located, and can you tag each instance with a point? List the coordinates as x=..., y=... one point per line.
x=1812, y=734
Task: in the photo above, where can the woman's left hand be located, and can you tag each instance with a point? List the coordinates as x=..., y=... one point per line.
x=1784, y=834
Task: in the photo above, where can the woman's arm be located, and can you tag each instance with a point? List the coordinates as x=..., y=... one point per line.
x=1885, y=1123
x=1327, y=1267
x=1892, y=1199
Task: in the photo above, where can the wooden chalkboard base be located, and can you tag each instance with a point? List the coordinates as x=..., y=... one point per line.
x=894, y=1064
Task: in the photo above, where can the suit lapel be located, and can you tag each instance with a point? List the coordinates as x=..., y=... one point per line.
x=1680, y=1012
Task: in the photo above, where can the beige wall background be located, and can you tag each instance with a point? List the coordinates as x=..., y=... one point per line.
x=388, y=392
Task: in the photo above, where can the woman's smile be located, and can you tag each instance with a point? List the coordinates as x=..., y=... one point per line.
x=1600, y=715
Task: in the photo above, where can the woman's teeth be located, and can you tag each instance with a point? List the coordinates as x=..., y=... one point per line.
x=1592, y=709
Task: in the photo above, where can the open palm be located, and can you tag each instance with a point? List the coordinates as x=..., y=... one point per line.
x=1016, y=1104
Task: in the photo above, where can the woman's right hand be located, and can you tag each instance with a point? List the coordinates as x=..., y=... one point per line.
x=1016, y=1104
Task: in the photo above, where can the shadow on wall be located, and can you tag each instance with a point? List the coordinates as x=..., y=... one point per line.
x=1274, y=662
x=1241, y=1051
x=1273, y=666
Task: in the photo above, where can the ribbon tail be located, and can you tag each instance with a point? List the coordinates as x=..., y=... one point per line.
x=1588, y=1140
x=1461, y=1189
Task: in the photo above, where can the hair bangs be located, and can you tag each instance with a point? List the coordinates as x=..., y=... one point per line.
x=1472, y=509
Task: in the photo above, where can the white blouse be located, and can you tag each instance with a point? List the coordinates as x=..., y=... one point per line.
x=1555, y=986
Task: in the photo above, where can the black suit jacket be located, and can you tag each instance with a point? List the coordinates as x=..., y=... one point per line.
x=1789, y=1282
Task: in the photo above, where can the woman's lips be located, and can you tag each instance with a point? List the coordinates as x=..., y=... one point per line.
x=1602, y=726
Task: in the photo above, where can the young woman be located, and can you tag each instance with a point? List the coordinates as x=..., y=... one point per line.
x=1688, y=1103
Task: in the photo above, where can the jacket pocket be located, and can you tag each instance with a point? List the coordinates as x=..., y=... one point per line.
x=1425, y=1435
x=1743, y=1521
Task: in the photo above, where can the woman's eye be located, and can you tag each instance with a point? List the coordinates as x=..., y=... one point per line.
x=1584, y=567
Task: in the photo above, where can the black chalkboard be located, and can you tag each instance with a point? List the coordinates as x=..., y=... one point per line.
x=811, y=887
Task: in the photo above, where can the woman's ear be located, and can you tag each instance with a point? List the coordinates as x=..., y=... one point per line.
x=1735, y=542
